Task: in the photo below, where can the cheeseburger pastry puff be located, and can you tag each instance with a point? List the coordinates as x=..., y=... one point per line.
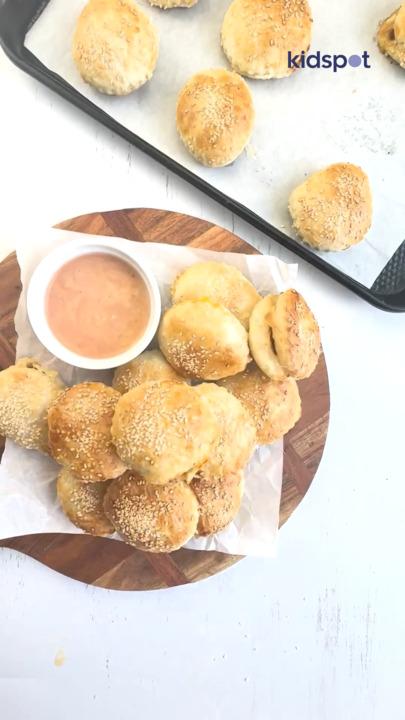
x=80, y=432
x=257, y=36
x=203, y=340
x=284, y=336
x=82, y=503
x=155, y=518
x=332, y=209
x=220, y=283
x=149, y=365
x=391, y=36
x=219, y=500
x=26, y=392
x=163, y=430
x=236, y=437
x=274, y=406
x=215, y=116
x=115, y=46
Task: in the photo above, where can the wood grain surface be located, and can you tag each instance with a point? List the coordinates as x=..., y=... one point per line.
x=111, y=564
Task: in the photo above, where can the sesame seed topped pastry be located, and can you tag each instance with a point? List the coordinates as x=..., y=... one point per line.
x=82, y=503
x=284, y=336
x=149, y=365
x=26, y=392
x=236, y=438
x=391, y=36
x=219, y=500
x=163, y=431
x=203, y=340
x=152, y=517
x=274, y=406
x=220, y=283
x=332, y=209
x=215, y=116
x=80, y=432
x=115, y=46
x=257, y=36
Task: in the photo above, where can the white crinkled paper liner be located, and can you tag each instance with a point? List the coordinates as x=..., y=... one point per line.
x=28, y=501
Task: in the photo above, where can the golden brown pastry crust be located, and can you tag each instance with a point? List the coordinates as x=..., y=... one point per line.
x=115, y=46
x=261, y=339
x=257, y=35
x=219, y=500
x=274, y=406
x=82, y=503
x=332, y=209
x=26, y=392
x=151, y=517
x=391, y=36
x=203, y=340
x=236, y=437
x=284, y=336
x=150, y=365
x=163, y=430
x=215, y=116
x=80, y=432
x=168, y=4
x=219, y=283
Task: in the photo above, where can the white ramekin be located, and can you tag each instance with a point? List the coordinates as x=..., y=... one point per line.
x=43, y=274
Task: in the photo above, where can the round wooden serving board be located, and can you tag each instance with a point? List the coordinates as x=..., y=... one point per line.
x=112, y=564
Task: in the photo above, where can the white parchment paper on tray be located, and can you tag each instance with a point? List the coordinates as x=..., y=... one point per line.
x=27, y=489
x=303, y=123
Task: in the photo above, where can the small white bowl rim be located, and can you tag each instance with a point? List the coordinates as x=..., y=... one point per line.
x=58, y=257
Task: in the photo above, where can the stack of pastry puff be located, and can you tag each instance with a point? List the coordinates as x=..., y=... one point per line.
x=160, y=456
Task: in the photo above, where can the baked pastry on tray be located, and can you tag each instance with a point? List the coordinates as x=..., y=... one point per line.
x=257, y=36
x=80, y=432
x=215, y=116
x=391, y=36
x=332, y=209
x=26, y=392
x=115, y=46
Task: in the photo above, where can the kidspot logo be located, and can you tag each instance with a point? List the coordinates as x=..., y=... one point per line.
x=318, y=60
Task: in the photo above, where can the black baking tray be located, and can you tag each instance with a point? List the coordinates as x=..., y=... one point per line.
x=18, y=16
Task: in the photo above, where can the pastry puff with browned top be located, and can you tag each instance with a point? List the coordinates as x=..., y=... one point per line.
x=115, y=46
x=148, y=366
x=80, y=432
x=163, y=431
x=258, y=35
x=215, y=116
x=391, y=36
x=332, y=208
x=82, y=503
x=284, y=336
x=155, y=518
x=220, y=283
x=275, y=406
x=26, y=392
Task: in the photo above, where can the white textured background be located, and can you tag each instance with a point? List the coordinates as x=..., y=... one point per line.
x=318, y=633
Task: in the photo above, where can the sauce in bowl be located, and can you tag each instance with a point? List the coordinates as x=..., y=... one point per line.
x=97, y=305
